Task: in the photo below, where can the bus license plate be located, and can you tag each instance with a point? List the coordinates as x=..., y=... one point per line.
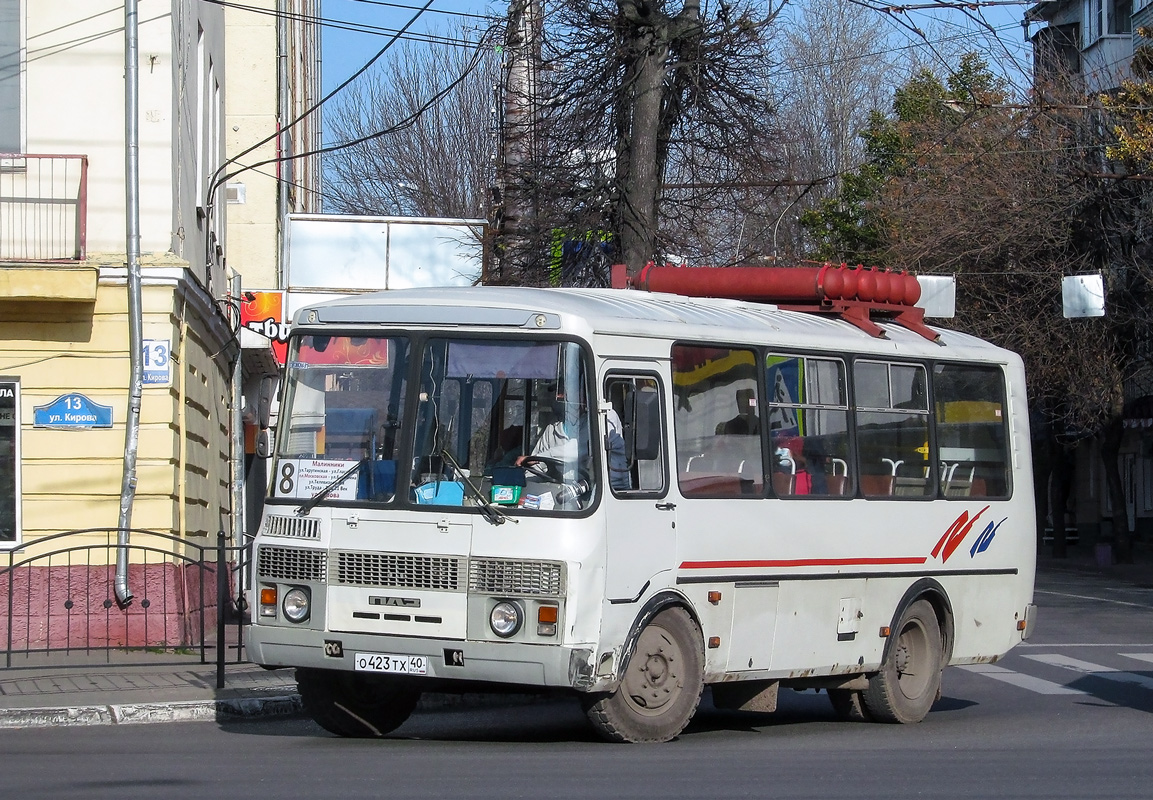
x=388, y=662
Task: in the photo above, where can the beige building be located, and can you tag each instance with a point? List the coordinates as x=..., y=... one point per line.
x=64, y=331
x=274, y=64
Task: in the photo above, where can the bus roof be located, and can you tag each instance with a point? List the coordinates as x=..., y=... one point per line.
x=632, y=313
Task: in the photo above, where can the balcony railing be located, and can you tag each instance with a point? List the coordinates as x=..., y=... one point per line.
x=43, y=207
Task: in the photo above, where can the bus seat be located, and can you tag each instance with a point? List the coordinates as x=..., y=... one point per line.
x=782, y=483
x=836, y=484
x=876, y=485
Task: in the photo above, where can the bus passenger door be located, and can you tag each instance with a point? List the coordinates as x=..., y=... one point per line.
x=641, y=519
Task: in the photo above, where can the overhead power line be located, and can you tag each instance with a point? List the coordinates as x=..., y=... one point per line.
x=355, y=27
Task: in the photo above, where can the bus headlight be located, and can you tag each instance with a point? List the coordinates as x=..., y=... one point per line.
x=296, y=604
x=505, y=619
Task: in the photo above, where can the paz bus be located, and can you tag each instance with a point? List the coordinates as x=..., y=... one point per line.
x=631, y=495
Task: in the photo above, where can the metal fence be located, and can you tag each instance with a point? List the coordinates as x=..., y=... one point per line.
x=58, y=595
x=43, y=207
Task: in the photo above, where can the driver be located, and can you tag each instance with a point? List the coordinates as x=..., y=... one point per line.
x=560, y=439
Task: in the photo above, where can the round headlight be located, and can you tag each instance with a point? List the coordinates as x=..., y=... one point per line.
x=295, y=605
x=505, y=619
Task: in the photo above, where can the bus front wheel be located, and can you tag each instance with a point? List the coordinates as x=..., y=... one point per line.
x=661, y=686
x=352, y=705
x=910, y=678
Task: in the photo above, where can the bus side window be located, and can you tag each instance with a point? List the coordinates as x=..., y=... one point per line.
x=808, y=426
x=972, y=439
x=716, y=421
x=893, y=429
x=634, y=436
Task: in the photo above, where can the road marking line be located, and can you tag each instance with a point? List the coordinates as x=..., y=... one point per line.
x=1096, y=670
x=1038, y=685
x=1091, y=597
x=1113, y=645
x=1147, y=657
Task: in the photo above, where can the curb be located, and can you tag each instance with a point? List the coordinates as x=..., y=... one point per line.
x=239, y=708
x=145, y=713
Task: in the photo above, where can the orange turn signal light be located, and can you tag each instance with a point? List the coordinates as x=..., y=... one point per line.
x=714, y=642
x=268, y=596
x=1020, y=624
x=714, y=597
x=885, y=631
x=547, y=615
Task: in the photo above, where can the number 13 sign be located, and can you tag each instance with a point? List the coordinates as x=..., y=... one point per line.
x=157, y=362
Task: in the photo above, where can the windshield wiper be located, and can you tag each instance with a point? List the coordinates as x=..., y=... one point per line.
x=323, y=493
x=493, y=514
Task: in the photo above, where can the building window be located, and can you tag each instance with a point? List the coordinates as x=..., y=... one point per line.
x=9, y=463
x=11, y=50
x=1094, y=11
x=1120, y=16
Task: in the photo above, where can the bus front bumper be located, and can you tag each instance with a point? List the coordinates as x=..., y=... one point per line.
x=512, y=663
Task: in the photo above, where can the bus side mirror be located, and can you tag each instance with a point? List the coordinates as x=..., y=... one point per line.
x=646, y=426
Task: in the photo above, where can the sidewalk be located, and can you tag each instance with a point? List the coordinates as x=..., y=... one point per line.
x=118, y=689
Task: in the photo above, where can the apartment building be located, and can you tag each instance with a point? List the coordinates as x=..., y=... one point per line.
x=64, y=326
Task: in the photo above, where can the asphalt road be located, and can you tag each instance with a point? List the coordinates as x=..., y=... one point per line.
x=1066, y=716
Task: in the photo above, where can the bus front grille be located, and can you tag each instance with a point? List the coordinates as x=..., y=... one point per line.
x=292, y=527
x=396, y=570
x=291, y=564
x=499, y=576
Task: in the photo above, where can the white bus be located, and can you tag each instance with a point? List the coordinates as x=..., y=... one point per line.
x=633, y=496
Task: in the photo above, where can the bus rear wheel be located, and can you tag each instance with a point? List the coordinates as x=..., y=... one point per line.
x=355, y=706
x=909, y=681
x=661, y=687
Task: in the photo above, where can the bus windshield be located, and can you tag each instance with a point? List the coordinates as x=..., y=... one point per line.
x=512, y=416
x=343, y=407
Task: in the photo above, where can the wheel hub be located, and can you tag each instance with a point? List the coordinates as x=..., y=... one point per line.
x=653, y=678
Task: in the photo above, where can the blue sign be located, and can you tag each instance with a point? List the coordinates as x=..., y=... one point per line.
x=72, y=411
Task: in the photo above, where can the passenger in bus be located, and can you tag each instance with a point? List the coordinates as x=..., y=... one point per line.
x=746, y=422
x=799, y=474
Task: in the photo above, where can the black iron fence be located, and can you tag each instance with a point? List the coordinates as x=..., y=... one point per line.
x=188, y=595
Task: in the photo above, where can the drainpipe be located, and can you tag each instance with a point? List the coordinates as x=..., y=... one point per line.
x=237, y=395
x=132, y=231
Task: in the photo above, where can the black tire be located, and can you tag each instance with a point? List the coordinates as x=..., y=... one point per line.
x=910, y=678
x=849, y=706
x=355, y=706
x=661, y=687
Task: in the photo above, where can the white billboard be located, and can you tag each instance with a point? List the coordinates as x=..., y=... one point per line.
x=350, y=254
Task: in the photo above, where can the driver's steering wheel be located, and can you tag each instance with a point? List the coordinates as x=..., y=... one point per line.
x=552, y=470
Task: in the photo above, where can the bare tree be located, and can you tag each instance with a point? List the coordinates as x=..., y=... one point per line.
x=439, y=159
x=838, y=66
x=647, y=113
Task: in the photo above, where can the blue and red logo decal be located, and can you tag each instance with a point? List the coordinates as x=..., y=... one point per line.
x=962, y=526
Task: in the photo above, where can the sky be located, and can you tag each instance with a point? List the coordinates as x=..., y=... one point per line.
x=358, y=29
x=345, y=51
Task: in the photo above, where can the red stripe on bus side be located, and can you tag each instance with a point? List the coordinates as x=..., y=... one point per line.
x=804, y=562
